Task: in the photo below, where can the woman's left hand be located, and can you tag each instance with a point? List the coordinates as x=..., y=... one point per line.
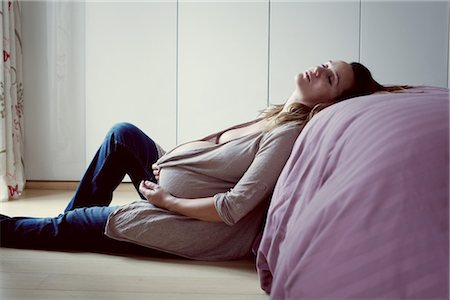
x=197, y=208
x=155, y=194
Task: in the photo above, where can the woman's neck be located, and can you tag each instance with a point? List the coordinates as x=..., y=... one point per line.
x=296, y=97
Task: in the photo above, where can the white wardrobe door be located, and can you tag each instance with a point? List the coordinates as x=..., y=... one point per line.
x=306, y=33
x=130, y=69
x=405, y=42
x=222, y=70
x=53, y=53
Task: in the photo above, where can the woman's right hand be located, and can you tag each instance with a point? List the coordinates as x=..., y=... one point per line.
x=155, y=169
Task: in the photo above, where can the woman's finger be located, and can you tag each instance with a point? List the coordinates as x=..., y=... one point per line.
x=154, y=188
x=141, y=185
x=150, y=185
x=142, y=188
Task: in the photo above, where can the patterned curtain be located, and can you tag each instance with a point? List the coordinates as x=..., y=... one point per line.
x=12, y=177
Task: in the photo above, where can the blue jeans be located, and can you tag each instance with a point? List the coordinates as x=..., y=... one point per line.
x=125, y=150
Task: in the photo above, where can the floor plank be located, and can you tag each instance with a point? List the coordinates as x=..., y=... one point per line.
x=38, y=274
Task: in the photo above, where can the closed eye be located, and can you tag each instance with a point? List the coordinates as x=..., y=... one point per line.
x=329, y=80
x=325, y=66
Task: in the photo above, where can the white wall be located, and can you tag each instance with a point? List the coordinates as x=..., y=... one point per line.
x=130, y=69
x=405, y=42
x=54, y=90
x=223, y=58
x=181, y=70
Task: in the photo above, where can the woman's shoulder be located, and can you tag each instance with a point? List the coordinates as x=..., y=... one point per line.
x=285, y=132
x=289, y=127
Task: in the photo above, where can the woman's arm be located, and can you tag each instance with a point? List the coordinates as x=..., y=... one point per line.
x=254, y=186
x=199, y=208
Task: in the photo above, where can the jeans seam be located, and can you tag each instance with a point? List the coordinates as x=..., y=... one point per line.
x=101, y=167
x=124, y=146
x=130, y=152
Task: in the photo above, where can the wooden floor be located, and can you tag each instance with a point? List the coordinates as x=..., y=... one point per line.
x=32, y=274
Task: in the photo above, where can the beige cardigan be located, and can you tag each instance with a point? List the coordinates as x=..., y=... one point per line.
x=239, y=174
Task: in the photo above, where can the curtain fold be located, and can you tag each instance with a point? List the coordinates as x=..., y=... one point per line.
x=12, y=176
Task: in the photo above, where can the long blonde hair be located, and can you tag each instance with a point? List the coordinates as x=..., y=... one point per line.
x=363, y=85
x=296, y=112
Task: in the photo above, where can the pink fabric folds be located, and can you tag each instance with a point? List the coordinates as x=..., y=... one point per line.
x=361, y=209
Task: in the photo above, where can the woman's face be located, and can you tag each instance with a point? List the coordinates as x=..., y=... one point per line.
x=324, y=83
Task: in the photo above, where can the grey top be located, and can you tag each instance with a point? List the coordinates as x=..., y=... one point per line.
x=239, y=174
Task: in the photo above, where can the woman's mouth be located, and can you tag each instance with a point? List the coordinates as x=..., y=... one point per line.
x=307, y=76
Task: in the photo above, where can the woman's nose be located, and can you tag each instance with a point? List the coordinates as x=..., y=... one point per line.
x=318, y=70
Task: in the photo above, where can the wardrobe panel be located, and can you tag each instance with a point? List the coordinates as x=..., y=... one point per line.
x=406, y=42
x=53, y=63
x=223, y=60
x=130, y=69
x=304, y=34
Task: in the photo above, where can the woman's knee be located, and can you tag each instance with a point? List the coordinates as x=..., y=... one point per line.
x=124, y=133
x=128, y=139
x=123, y=129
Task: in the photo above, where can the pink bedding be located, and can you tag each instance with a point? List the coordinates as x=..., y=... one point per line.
x=361, y=209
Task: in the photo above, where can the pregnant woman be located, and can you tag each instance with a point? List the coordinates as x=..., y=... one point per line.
x=202, y=200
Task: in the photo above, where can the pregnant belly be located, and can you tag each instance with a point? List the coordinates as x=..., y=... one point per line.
x=184, y=183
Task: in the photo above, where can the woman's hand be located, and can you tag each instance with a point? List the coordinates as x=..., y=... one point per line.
x=155, y=169
x=155, y=194
x=198, y=208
